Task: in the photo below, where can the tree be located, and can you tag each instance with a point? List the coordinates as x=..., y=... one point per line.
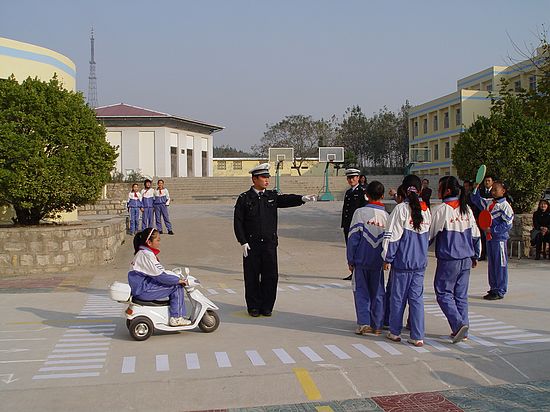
x=53, y=152
x=228, y=151
x=300, y=132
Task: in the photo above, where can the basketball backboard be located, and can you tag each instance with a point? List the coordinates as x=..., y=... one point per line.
x=420, y=155
x=280, y=154
x=331, y=154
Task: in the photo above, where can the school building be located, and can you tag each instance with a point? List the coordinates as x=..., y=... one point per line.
x=157, y=144
x=436, y=125
x=239, y=166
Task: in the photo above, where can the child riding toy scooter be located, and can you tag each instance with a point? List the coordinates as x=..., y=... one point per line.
x=144, y=317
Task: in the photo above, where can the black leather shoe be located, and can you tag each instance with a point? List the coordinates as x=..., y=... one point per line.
x=347, y=278
x=492, y=296
x=170, y=232
x=266, y=313
x=254, y=313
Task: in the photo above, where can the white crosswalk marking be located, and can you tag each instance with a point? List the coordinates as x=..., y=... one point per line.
x=474, y=321
x=102, y=325
x=388, y=348
x=230, y=291
x=128, y=364
x=77, y=355
x=521, y=335
x=293, y=287
x=363, y=349
x=436, y=345
x=502, y=332
x=339, y=353
x=310, y=287
x=418, y=349
x=481, y=341
x=74, y=361
x=162, y=363
x=212, y=291
x=521, y=342
x=283, y=356
x=487, y=328
x=69, y=368
x=67, y=375
x=310, y=353
x=192, y=360
x=223, y=360
x=255, y=358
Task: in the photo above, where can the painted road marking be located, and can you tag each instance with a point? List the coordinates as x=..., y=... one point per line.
x=74, y=350
x=77, y=355
x=339, y=353
x=67, y=375
x=162, y=363
x=492, y=328
x=310, y=353
x=436, y=345
x=85, y=339
x=128, y=364
x=66, y=361
x=503, y=332
x=521, y=335
x=283, y=356
x=474, y=321
x=255, y=358
x=223, y=360
x=293, y=287
x=231, y=291
x=92, y=326
x=418, y=349
x=212, y=291
x=388, y=348
x=69, y=368
x=519, y=342
x=192, y=361
x=71, y=345
x=307, y=384
x=363, y=349
x=481, y=341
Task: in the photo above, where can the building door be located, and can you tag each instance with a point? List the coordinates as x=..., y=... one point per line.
x=204, y=164
x=174, y=161
x=190, y=163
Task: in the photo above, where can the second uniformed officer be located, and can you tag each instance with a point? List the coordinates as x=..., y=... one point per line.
x=353, y=200
x=255, y=225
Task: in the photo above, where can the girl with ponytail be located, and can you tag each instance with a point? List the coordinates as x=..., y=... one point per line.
x=457, y=249
x=405, y=248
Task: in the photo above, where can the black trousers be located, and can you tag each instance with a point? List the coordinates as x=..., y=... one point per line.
x=261, y=275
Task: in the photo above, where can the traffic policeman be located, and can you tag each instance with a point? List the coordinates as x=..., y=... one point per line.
x=255, y=226
x=353, y=200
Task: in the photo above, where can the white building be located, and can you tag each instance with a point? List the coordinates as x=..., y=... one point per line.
x=158, y=144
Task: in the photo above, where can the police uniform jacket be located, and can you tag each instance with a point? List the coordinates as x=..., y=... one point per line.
x=353, y=200
x=255, y=216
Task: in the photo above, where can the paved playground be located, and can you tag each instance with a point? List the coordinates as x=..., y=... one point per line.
x=64, y=344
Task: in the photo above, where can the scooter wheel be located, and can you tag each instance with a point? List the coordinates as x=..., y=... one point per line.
x=209, y=322
x=141, y=328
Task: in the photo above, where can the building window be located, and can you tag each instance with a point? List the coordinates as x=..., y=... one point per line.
x=425, y=126
x=489, y=87
x=237, y=165
x=436, y=126
x=221, y=165
x=458, y=117
x=533, y=83
x=446, y=120
x=436, y=151
x=415, y=129
x=517, y=86
x=447, y=150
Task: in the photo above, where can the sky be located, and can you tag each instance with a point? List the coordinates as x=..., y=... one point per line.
x=242, y=64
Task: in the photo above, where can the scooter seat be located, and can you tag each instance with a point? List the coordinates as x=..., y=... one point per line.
x=150, y=302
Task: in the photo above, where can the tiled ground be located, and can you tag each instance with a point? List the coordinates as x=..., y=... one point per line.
x=530, y=396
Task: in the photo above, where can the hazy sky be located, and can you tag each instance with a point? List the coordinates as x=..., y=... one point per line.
x=242, y=64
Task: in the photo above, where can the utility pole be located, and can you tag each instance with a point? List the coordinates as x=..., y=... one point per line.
x=92, y=80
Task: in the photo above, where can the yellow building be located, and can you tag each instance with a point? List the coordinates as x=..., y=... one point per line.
x=239, y=166
x=27, y=60
x=436, y=125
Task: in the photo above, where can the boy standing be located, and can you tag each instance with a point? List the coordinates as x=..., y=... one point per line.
x=134, y=205
x=160, y=204
x=147, y=196
x=364, y=254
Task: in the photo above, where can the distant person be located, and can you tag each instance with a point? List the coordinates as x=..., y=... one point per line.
x=363, y=181
x=426, y=192
x=540, y=233
x=497, y=247
x=353, y=200
x=485, y=193
x=255, y=226
x=364, y=254
x=134, y=206
x=147, y=197
x=160, y=205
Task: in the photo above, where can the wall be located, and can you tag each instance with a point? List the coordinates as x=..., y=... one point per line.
x=59, y=248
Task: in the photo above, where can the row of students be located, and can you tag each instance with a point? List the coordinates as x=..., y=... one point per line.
x=400, y=241
x=149, y=201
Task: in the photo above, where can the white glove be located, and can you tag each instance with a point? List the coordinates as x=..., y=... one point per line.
x=309, y=198
x=246, y=248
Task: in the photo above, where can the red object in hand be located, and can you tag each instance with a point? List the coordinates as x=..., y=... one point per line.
x=485, y=219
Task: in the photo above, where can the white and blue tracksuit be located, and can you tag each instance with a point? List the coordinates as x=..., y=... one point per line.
x=497, y=247
x=160, y=204
x=457, y=242
x=364, y=253
x=134, y=205
x=147, y=197
x=406, y=249
x=150, y=281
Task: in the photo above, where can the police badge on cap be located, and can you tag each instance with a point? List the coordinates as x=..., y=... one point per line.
x=260, y=170
x=352, y=172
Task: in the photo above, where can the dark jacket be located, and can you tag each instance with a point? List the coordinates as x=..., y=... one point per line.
x=541, y=219
x=353, y=200
x=255, y=217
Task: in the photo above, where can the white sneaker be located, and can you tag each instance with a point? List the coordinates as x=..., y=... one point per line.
x=179, y=321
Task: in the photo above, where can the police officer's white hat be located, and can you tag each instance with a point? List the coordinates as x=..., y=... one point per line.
x=262, y=169
x=352, y=172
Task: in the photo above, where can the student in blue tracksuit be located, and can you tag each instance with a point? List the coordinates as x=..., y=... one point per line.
x=150, y=281
x=134, y=205
x=497, y=247
x=364, y=253
x=160, y=204
x=457, y=249
x=405, y=248
x=147, y=197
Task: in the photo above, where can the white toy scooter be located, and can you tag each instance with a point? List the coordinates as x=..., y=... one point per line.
x=144, y=317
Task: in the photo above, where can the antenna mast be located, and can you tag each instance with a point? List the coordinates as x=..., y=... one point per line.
x=92, y=80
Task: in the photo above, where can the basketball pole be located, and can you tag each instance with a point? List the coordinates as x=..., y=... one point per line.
x=277, y=182
x=326, y=195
